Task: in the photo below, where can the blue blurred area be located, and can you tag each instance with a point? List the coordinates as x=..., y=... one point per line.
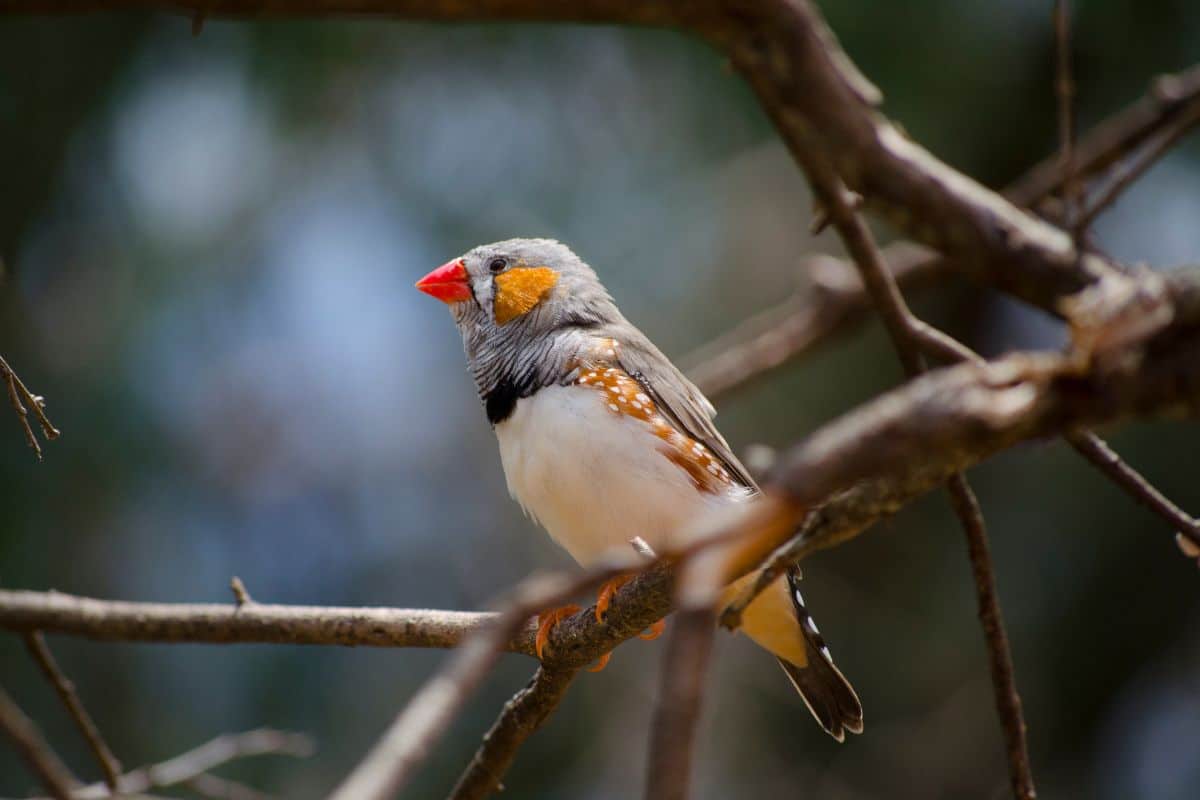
x=208, y=250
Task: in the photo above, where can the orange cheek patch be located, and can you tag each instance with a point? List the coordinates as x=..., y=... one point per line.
x=520, y=289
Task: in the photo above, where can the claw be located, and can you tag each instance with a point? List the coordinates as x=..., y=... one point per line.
x=601, y=662
x=604, y=599
x=546, y=622
x=654, y=631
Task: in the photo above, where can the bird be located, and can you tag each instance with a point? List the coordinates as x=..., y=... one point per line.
x=603, y=439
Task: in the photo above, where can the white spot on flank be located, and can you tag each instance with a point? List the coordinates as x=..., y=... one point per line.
x=613, y=406
x=812, y=626
x=614, y=390
x=637, y=405
x=641, y=396
x=611, y=352
x=828, y=656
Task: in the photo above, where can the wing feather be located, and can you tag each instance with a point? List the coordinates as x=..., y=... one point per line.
x=684, y=405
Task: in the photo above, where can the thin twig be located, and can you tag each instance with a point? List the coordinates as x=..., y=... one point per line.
x=523, y=714
x=217, y=752
x=1110, y=141
x=1097, y=451
x=215, y=787
x=769, y=340
x=22, y=400
x=908, y=334
x=1064, y=89
x=36, y=644
x=1148, y=158
x=1004, y=682
x=32, y=746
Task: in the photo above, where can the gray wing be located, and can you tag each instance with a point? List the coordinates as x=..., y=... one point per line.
x=677, y=398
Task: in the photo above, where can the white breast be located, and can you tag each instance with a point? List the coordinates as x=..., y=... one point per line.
x=595, y=479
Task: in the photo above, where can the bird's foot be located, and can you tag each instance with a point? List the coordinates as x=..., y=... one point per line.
x=604, y=599
x=546, y=622
x=654, y=631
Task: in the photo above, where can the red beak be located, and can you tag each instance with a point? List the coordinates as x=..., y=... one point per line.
x=447, y=283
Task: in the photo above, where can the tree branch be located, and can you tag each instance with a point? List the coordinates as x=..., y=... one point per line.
x=839, y=301
x=198, y=762
x=523, y=714
x=115, y=620
x=28, y=741
x=36, y=644
x=835, y=302
x=1153, y=151
x=907, y=334
x=21, y=400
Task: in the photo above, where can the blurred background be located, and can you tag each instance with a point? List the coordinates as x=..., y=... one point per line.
x=209, y=245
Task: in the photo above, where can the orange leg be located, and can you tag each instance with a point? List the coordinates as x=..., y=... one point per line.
x=546, y=622
x=604, y=600
x=601, y=662
x=654, y=631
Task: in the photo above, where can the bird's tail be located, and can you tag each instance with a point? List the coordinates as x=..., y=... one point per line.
x=779, y=621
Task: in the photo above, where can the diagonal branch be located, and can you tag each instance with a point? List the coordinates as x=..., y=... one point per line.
x=198, y=762
x=21, y=400
x=1152, y=153
x=794, y=328
x=523, y=714
x=28, y=741
x=836, y=301
x=907, y=333
x=36, y=644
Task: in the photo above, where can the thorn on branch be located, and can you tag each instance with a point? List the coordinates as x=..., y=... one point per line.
x=240, y=595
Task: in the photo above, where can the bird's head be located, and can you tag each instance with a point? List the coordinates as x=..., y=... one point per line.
x=519, y=290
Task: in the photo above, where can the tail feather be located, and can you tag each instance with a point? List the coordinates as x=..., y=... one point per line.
x=822, y=686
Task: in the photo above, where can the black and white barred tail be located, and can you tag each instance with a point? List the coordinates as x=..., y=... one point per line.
x=826, y=692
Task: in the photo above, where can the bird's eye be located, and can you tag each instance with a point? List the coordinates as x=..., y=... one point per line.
x=497, y=265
